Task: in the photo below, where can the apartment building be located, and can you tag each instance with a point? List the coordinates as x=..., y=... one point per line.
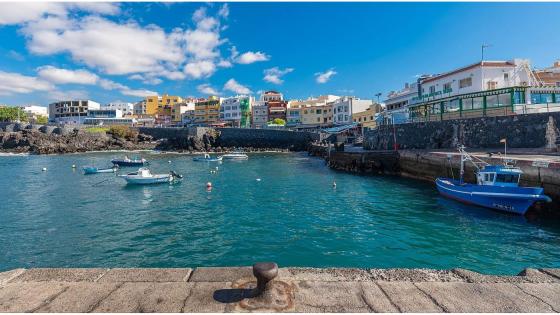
x=236, y=110
x=71, y=112
x=345, y=107
x=207, y=111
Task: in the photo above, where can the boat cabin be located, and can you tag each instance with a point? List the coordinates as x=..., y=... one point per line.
x=499, y=175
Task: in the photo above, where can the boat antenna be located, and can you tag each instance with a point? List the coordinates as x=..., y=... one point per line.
x=504, y=141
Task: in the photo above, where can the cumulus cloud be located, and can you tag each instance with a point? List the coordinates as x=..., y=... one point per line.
x=274, y=75
x=22, y=12
x=324, y=77
x=123, y=89
x=146, y=79
x=251, y=57
x=65, y=76
x=207, y=89
x=224, y=11
x=11, y=83
x=234, y=86
x=200, y=69
x=57, y=95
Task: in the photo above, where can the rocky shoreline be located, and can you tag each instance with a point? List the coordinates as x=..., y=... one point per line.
x=34, y=139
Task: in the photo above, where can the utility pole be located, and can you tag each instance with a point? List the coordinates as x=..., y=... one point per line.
x=378, y=95
x=482, y=63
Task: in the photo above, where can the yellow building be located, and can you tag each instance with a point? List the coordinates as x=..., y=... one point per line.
x=366, y=119
x=161, y=105
x=320, y=115
x=207, y=111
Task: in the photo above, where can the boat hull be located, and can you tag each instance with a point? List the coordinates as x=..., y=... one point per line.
x=515, y=200
x=235, y=157
x=156, y=179
x=200, y=159
x=95, y=170
x=128, y=163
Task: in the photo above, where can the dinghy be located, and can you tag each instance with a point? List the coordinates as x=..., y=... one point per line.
x=129, y=162
x=207, y=158
x=88, y=170
x=235, y=155
x=144, y=177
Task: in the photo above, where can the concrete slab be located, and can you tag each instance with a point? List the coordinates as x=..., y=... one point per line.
x=60, y=274
x=408, y=298
x=376, y=299
x=475, y=277
x=80, y=297
x=414, y=275
x=201, y=298
x=6, y=276
x=220, y=274
x=547, y=292
x=23, y=297
x=319, y=296
x=325, y=274
x=535, y=276
x=141, y=297
x=483, y=297
x=146, y=275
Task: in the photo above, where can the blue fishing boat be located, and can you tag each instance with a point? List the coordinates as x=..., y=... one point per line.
x=129, y=162
x=497, y=187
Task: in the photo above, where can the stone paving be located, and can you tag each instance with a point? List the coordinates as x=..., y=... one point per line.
x=295, y=290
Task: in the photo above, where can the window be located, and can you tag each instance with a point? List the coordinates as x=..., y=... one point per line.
x=477, y=102
x=541, y=98
x=432, y=89
x=504, y=99
x=507, y=178
x=464, y=83
x=518, y=97
x=447, y=87
x=492, y=85
x=506, y=76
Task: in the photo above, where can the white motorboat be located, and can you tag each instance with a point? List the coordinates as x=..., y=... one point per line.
x=207, y=158
x=144, y=177
x=236, y=155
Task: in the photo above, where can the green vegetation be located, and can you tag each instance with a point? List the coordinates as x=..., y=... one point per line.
x=123, y=132
x=9, y=113
x=278, y=121
x=43, y=120
x=97, y=129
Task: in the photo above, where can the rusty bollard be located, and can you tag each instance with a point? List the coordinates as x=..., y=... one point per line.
x=264, y=272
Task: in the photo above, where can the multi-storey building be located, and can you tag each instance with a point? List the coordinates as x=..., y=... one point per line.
x=550, y=76
x=293, y=116
x=345, y=107
x=487, y=88
x=139, y=108
x=179, y=109
x=207, y=111
x=126, y=108
x=317, y=116
x=259, y=114
x=236, y=111
x=71, y=112
x=366, y=118
x=397, y=102
x=299, y=111
x=161, y=105
x=277, y=107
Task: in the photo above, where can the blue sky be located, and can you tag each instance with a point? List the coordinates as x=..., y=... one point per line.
x=122, y=51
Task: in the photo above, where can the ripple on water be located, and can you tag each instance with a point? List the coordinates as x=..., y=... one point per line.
x=292, y=216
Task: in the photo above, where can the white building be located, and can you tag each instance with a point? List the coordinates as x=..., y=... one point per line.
x=345, y=107
x=139, y=108
x=126, y=108
x=71, y=112
x=396, y=104
x=236, y=110
x=34, y=110
x=259, y=114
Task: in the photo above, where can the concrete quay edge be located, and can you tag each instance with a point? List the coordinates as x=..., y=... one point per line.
x=217, y=289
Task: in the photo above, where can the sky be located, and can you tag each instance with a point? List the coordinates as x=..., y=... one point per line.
x=124, y=51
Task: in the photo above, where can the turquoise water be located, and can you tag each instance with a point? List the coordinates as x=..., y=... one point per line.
x=62, y=218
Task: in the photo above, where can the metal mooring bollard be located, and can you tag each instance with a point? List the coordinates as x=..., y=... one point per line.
x=264, y=272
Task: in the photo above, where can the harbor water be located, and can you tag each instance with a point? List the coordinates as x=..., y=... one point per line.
x=280, y=207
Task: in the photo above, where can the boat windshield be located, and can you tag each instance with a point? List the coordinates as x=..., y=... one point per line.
x=507, y=178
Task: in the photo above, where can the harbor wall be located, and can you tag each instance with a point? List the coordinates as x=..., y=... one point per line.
x=266, y=138
x=169, y=133
x=426, y=165
x=521, y=131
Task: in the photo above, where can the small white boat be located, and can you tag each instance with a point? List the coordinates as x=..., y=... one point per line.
x=95, y=170
x=144, y=177
x=236, y=155
x=207, y=158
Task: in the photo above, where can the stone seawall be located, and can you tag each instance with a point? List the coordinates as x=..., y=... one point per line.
x=229, y=289
x=521, y=131
x=266, y=138
x=171, y=133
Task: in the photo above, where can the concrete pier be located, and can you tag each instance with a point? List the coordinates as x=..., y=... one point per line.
x=294, y=290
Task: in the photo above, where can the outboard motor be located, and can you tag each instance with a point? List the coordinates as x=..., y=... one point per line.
x=175, y=175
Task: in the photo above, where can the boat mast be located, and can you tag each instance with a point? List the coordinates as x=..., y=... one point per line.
x=462, y=171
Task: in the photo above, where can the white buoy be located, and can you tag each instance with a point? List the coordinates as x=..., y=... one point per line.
x=258, y=179
x=44, y=169
x=73, y=165
x=216, y=168
x=168, y=161
x=334, y=184
x=209, y=185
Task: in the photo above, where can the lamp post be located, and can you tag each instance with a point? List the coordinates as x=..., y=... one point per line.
x=378, y=95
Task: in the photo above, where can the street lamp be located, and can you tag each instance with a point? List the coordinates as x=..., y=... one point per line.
x=378, y=95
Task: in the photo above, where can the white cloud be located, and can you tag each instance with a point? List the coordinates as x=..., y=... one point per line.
x=65, y=76
x=138, y=93
x=123, y=89
x=200, y=69
x=274, y=75
x=146, y=79
x=11, y=83
x=224, y=11
x=22, y=12
x=324, y=77
x=207, y=89
x=235, y=87
x=250, y=57
x=57, y=95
